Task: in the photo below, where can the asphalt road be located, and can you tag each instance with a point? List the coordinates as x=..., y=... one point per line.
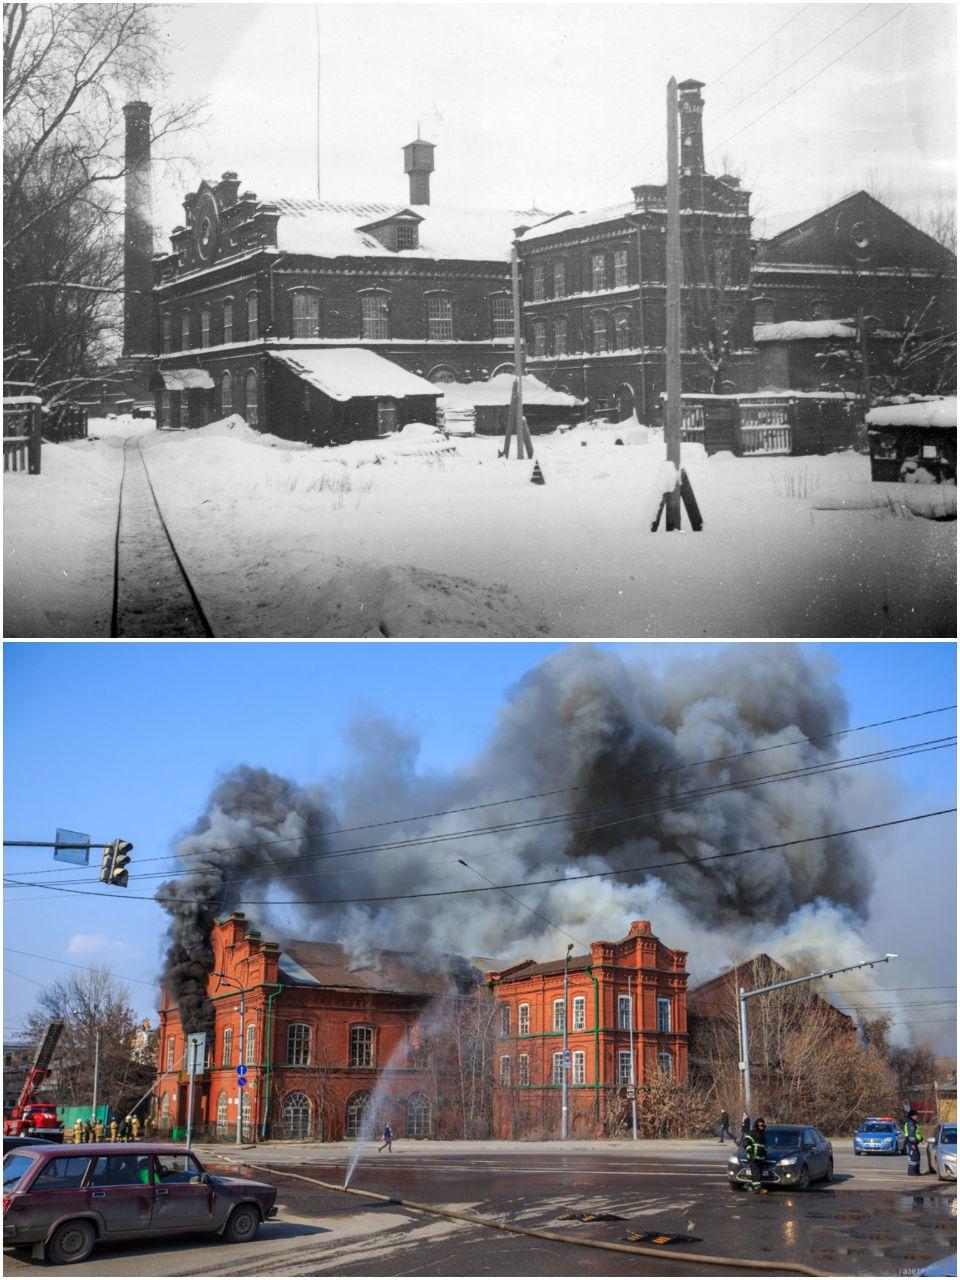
x=872, y=1220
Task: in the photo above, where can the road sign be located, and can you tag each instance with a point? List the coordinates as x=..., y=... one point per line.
x=80, y=857
x=242, y=1082
x=566, y=1058
x=631, y=1093
x=241, y=1069
x=196, y=1053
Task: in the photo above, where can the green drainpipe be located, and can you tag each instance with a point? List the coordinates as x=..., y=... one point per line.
x=269, y=1060
x=596, y=1040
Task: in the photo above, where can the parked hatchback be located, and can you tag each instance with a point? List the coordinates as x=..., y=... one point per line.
x=796, y=1156
x=61, y=1201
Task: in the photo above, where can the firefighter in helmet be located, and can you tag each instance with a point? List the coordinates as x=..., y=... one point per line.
x=135, y=1127
x=755, y=1146
x=98, y=1131
x=113, y=1130
x=78, y=1131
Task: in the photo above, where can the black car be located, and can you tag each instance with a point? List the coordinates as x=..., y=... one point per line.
x=796, y=1156
x=11, y=1144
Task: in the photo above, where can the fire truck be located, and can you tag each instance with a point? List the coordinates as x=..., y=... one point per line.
x=30, y=1118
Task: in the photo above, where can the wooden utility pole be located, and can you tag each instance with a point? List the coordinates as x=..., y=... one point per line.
x=516, y=426
x=674, y=411
x=864, y=357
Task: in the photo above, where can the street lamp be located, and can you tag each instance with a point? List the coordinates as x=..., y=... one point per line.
x=563, y=1064
x=96, y=1062
x=233, y=983
x=790, y=982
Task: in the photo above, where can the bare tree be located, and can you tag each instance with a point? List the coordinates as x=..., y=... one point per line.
x=67, y=70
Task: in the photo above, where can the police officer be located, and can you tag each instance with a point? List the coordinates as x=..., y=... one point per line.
x=914, y=1136
x=755, y=1146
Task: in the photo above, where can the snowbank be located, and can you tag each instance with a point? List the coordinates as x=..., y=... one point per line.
x=940, y=411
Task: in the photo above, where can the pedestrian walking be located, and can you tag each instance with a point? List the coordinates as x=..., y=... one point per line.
x=725, y=1126
x=755, y=1145
x=914, y=1136
x=387, y=1139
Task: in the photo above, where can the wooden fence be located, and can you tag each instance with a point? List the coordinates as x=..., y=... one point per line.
x=65, y=422
x=22, y=437
x=771, y=427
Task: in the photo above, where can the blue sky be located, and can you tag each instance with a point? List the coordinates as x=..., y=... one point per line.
x=126, y=740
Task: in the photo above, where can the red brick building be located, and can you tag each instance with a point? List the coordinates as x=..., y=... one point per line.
x=319, y=1029
x=637, y=985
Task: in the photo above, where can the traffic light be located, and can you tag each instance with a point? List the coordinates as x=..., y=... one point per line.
x=113, y=868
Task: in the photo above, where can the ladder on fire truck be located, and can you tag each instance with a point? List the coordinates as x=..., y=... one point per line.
x=41, y=1066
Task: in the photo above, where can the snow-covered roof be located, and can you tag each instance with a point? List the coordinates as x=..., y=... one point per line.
x=185, y=379
x=937, y=411
x=343, y=373
x=334, y=230
x=498, y=390
x=797, y=330
x=573, y=221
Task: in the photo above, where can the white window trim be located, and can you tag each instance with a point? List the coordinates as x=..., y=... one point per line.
x=624, y=1055
x=556, y=1074
x=663, y=1003
x=523, y=1019
x=559, y=1015
x=624, y=1003
x=579, y=1013
x=579, y=1066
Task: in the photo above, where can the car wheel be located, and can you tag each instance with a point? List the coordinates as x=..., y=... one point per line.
x=71, y=1242
x=736, y=1186
x=803, y=1182
x=828, y=1176
x=243, y=1224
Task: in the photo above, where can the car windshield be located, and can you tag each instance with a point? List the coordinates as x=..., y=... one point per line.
x=15, y=1165
x=876, y=1126
x=948, y=1137
x=783, y=1139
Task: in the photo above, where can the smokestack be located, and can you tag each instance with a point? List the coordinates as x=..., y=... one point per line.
x=137, y=233
x=691, y=128
x=418, y=162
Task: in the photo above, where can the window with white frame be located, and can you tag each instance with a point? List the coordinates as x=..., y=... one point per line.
x=539, y=339
x=623, y=1012
x=579, y=1013
x=523, y=1019
x=226, y=394
x=559, y=279
x=523, y=1068
x=171, y=1050
x=253, y=316
x=228, y=321
x=502, y=307
x=418, y=1116
x=620, y=267
x=663, y=1013
x=205, y=327
x=185, y=331
x=375, y=316
x=439, y=317
x=505, y=1069
x=560, y=336
x=559, y=1015
x=252, y=398
x=295, y=1115
x=599, y=271
x=167, y=327
x=504, y=1019
x=306, y=314
x=623, y=1067
x=579, y=1067
x=361, y=1046
x=227, y=1048
x=251, y=1045
x=557, y=1074
x=246, y=1116
x=599, y=324
x=665, y=1063
x=298, y=1044
x=222, y=1114
x=539, y=293
x=621, y=331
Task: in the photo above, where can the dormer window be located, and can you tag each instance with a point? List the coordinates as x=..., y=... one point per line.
x=401, y=230
x=407, y=235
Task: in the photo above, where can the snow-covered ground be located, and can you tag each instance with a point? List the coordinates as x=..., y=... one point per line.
x=421, y=536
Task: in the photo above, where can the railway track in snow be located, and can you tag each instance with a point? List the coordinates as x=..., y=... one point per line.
x=153, y=596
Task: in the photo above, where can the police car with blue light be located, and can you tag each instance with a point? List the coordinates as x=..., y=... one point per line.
x=879, y=1136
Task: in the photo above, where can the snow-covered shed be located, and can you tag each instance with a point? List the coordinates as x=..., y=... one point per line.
x=914, y=440
x=329, y=395
x=544, y=408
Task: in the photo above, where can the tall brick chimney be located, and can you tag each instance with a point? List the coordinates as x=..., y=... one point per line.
x=418, y=162
x=137, y=233
x=691, y=127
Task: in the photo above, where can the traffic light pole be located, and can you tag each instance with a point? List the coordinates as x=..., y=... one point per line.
x=776, y=986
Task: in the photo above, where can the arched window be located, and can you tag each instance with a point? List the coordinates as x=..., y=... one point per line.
x=523, y=1019
x=439, y=317
x=306, y=314
x=295, y=1115
x=560, y=336
x=539, y=339
x=418, y=1116
x=246, y=1116
x=250, y=1051
x=361, y=1046
x=171, y=1050
x=226, y=394
x=504, y=1019
x=165, y=1106
x=167, y=328
x=222, y=1127
x=621, y=335
x=228, y=320
x=227, y=1048
x=357, y=1105
x=598, y=324
x=205, y=327
x=375, y=314
x=253, y=316
x=185, y=330
x=502, y=308
x=298, y=1044
x=252, y=398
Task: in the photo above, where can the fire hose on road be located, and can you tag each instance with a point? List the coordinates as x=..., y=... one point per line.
x=703, y=1259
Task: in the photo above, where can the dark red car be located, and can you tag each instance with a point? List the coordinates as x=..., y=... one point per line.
x=60, y=1200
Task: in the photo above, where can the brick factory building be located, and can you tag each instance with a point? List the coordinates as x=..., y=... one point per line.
x=257, y=297
x=320, y=1028
x=626, y=1012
